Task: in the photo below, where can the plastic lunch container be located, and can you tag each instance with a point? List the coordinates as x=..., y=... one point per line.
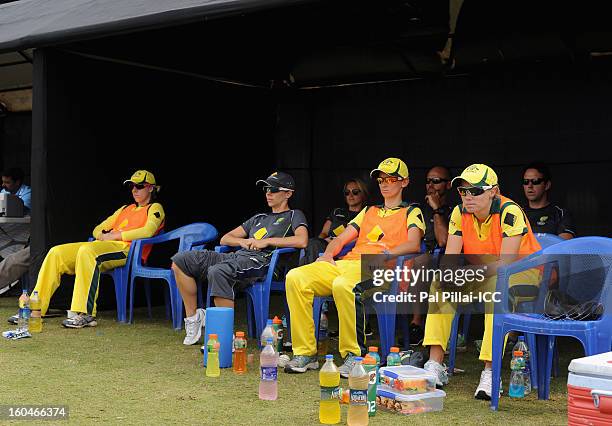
x=407, y=380
x=410, y=404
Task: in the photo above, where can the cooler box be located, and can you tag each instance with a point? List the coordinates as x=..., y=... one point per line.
x=387, y=399
x=589, y=390
x=407, y=380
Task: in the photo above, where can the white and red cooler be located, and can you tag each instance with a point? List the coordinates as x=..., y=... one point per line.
x=589, y=390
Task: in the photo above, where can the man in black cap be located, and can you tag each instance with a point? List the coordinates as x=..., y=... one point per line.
x=257, y=238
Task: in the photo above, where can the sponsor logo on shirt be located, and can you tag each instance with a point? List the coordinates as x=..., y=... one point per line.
x=542, y=221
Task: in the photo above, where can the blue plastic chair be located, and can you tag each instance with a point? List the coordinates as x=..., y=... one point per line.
x=120, y=278
x=385, y=312
x=582, y=263
x=545, y=240
x=190, y=237
x=258, y=300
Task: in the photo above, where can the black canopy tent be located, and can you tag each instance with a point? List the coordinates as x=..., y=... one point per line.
x=323, y=90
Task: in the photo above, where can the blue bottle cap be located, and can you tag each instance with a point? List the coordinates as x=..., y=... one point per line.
x=522, y=338
x=358, y=358
x=269, y=341
x=269, y=322
x=329, y=356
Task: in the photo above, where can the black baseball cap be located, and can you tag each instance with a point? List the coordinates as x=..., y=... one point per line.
x=281, y=180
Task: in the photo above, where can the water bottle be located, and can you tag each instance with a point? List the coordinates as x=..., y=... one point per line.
x=23, y=316
x=521, y=345
x=212, y=360
x=393, y=359
x=329, y=380
x=35, y=324
x=517, y=377
x=268, y=332
x=277, y=324
x=323, y=343
x=240, y=353
x=268, y=360
x=358, y=394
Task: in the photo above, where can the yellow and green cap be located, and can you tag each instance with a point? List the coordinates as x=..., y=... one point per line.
x=392, y=167
x=141, y=176
x=479, y=175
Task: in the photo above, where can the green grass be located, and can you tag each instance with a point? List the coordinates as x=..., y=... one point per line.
x=142, y=374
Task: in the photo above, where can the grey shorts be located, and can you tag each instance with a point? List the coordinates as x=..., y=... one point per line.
x=223, y=271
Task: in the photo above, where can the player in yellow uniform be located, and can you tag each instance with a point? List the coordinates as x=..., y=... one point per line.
x=87, y=260
x=486, y=225
x=393, y=228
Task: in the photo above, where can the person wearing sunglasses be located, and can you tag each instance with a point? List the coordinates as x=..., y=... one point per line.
x=485, y=224
x=544, y=216
x=356, y=196
x=437, y=211
x=392, y=228
x=256, y=239
x=87, y=260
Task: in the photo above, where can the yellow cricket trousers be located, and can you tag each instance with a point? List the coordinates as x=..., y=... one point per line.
x=324, y=279
x=84, y=260
x=441, y=313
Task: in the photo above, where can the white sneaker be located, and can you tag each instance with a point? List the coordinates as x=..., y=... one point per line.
x=194, y=326
x=485, y=387
x=439, y=370
x=283, y=360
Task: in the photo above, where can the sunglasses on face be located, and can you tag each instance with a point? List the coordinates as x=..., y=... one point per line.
x=354, y=191
x=473, y=191
x=138, y=186
x=388, y=179
x=537, y=181
x=435, y=180
x=274, y=189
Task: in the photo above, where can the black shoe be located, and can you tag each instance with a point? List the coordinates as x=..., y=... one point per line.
x=417, y=334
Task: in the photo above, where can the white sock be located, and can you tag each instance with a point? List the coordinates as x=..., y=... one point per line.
x=193, y=317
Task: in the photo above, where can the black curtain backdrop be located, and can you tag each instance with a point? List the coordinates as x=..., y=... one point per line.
x=505, y=120
x=96, y=122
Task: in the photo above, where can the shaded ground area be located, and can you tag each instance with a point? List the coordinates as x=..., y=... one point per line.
x=141, y=373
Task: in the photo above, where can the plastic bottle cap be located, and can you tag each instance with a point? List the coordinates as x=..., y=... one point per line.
x=522, y=338
x=212, y=336
x=518, y=353
x=358, y=358
x=394, y=349
x=269, y=340
x=373, y=349
x=240, y=334
x=269, y=322
x=369, y=360
x=329, y=356
x=277, y=320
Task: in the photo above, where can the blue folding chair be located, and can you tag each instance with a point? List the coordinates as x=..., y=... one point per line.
x=582, y=263
x=545, y=240
x=258, y=300
x=190, y=236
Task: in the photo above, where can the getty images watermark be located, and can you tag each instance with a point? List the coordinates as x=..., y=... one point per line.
x=459, y=277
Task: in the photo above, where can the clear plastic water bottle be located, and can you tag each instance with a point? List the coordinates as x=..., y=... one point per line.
x=358, y=385
x=23, y=316
x=268, y=360
x=393, y=359
x=329, y=380
x=517, y=377
x=268, y=332
x=521, y=345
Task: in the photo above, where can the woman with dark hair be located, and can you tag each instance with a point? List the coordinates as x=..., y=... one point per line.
x=356, y=196
x=87, y=260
